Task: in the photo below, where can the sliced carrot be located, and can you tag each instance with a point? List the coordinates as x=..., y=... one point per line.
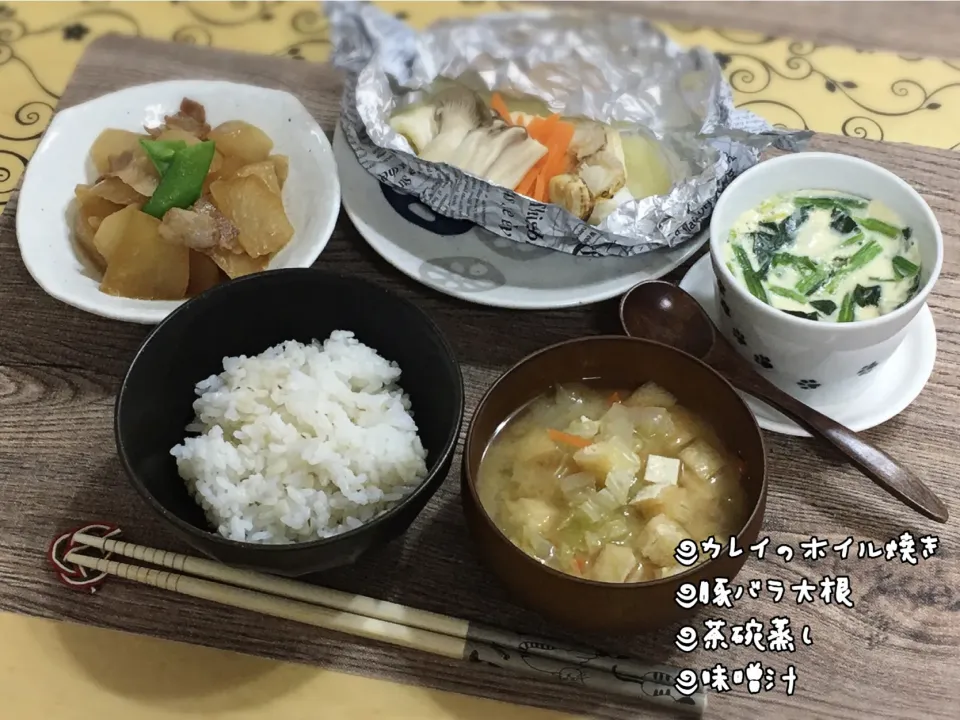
x=556, y=136
x=560, y=142
x=542, y=129
x=526, y=185
x=614, y=399
x=581, y=562
x=534, y=128
x=540, y=193
x=557, y=154
x=497, y=103
x=568, y=439
x=551, y=123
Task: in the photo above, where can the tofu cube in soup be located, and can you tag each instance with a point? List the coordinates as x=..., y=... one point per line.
x=605, y=456
x=690, y=510
x=697, y=514
x=650, y=500
x=662, y=470
x=613, y=564
x=532, y=513
x=659, y=540
x=611, y=495
x=702, y=459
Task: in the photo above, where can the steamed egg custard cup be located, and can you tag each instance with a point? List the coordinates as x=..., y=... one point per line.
x=610, y=362
x=245, y=317
x=801, y=354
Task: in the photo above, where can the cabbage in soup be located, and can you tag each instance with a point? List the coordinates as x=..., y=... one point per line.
x=604, y=485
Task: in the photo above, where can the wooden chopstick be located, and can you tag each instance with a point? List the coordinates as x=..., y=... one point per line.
x=315, y=615
x=292, y=589
x=380, y=609
x=390, y=622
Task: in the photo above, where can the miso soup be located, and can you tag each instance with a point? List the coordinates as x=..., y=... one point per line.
x=604, y=484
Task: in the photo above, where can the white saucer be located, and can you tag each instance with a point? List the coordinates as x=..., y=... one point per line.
x=473, y=264
x=894, y=386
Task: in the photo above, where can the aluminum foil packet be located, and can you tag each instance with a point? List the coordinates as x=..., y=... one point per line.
x=624, y=73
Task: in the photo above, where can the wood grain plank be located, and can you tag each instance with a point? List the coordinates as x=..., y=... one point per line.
x=916, y=28
x=893, y=655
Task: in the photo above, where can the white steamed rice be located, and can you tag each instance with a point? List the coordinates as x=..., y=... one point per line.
x=301, y=442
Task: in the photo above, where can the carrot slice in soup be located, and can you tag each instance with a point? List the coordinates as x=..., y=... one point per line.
x=568, y=439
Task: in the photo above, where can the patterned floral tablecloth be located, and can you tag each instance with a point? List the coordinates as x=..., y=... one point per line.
x=873, y=95
x=794, y=84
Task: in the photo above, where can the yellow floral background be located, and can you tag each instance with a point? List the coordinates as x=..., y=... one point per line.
x=875, y=95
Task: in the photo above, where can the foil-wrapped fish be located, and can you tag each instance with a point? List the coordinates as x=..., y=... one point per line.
x=621, y=106
x=574, y=163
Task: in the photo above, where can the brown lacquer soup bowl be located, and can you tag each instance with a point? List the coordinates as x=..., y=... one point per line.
x=619, y=362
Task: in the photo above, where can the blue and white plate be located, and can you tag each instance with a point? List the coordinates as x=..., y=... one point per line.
x=460, y=259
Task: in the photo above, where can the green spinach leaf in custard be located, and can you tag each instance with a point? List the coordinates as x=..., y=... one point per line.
x=825, y=256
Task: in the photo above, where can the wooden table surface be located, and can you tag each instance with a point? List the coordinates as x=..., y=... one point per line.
x=894, y=655
x=926, y=29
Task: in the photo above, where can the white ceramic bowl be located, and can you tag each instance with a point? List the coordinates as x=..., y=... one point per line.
x=45, y=211
x=803, y=355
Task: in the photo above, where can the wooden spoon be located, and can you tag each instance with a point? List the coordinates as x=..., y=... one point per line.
x=663, y=312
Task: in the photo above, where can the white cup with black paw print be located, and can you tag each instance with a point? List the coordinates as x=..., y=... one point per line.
x=804, y=356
